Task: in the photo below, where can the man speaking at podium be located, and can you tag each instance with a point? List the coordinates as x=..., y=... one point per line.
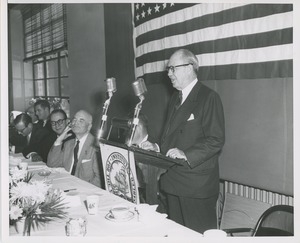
x=194, y=132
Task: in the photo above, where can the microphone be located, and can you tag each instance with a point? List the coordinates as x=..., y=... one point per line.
x=111, y=85
x=111, y=88
x=139, y=87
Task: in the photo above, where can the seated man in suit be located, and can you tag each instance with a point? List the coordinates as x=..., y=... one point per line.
x=42, y=110
x=31, y=112
x=79, y=155
x=147, y=175
x=60, y=125
x=16, y=141
x=141, y=134
x=36, y=137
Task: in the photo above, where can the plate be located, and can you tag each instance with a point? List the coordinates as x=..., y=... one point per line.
x=110, y=217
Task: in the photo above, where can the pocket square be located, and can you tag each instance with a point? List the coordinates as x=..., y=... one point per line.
x=85, y=160
x=191, y=117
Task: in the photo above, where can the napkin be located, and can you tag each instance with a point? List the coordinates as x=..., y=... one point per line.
x=14, y=160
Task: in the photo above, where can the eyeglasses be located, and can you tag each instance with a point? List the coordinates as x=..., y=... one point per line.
x=22, y=130
x=172, y=68
x=58, y=122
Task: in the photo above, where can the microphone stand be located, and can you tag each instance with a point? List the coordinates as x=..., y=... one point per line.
x=104, y=114
x=135, y=121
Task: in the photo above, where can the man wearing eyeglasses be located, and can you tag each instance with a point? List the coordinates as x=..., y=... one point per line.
x=59, y=123
x=194, y=132
x=35, y=135
x=62, y=132
x=79, y=155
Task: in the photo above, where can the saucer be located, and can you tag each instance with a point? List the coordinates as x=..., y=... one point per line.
x=110, y=217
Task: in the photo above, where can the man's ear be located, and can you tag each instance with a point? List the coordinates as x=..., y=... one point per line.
x=90, y=127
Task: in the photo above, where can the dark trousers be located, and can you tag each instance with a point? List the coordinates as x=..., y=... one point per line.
x=198, y=214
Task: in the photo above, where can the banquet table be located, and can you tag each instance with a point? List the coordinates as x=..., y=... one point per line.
x=145, y=223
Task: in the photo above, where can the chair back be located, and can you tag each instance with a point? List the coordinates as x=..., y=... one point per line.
x=118, y=130
x=241, y=212
x=276, y=221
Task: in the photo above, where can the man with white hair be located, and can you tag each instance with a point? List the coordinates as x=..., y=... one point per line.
x=194, y=132
x=79, y=155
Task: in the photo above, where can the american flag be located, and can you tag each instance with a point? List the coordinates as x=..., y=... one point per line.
x=231, y=40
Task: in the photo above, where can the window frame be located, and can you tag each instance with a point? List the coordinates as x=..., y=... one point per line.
x=43, y=60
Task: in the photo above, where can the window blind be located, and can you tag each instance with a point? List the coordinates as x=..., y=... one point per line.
x=44, y=29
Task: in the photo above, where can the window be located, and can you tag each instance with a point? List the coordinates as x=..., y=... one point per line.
x=50, y=75
x=44, y=29
x=45, y=44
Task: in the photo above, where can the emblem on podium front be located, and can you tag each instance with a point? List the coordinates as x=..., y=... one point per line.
x=120, y=173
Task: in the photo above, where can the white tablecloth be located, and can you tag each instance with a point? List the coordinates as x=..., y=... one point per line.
x=148, y=224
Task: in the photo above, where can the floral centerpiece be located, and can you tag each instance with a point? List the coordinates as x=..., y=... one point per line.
x=35, y=202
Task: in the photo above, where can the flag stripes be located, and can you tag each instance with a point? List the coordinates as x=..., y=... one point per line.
x=225, y=35
x=270, y=38
x=281, y=52
x=279, y=69
x=182, y=22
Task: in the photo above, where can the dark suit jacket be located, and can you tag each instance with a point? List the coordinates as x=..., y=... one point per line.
x=197, y=128
x=47, y=125
x=87, y=169
x=36, y=143
x=17, y=140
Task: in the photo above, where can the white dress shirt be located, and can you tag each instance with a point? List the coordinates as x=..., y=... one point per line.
x=81, y=142
x=187, y=90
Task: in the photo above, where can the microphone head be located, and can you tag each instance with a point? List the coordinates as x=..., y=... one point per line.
x=139, y=87
x=111, y=85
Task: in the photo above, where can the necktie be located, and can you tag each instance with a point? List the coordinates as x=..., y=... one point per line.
x=76, y=148
x=177, y=105
x=179, y=100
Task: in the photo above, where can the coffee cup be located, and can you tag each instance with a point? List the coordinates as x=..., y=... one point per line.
x=92, y=202
x=23, y=165
x=120, y=212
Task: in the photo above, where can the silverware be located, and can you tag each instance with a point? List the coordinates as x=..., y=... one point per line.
x=137, y=213
x=73, y=189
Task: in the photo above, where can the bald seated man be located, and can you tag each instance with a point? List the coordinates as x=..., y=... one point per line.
x=78, y=155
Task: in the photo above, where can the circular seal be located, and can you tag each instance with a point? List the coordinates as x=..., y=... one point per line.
x=119, y=177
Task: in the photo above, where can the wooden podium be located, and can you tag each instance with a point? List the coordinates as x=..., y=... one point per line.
x=152, y=164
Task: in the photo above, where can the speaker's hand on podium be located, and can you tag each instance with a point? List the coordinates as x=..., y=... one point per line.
x=176, y=153
x=150, y=146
